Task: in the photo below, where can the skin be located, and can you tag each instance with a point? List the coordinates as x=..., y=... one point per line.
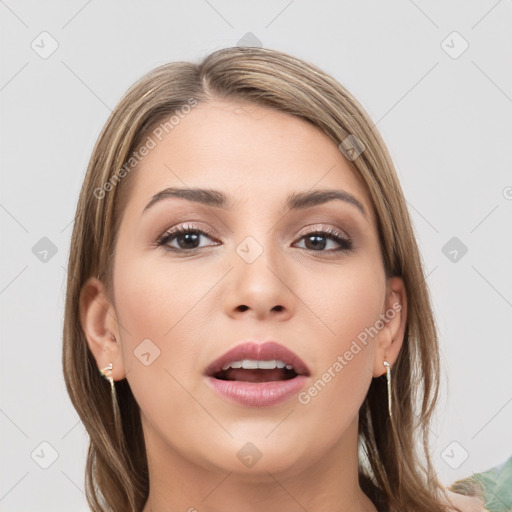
x=465, y=503
x=312, y=300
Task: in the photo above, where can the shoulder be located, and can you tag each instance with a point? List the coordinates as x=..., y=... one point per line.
x=465, y=503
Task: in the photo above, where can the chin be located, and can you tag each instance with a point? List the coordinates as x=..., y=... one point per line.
x=254, y=459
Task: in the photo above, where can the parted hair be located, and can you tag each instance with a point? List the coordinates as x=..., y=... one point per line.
x=396, y=470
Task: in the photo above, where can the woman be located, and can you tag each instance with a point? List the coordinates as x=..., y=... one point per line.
x=244, y=273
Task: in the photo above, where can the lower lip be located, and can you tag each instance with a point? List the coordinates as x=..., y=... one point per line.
x=257, y=394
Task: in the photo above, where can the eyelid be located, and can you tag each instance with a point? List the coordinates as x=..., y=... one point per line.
x=305, y=231
x=175, y=230
x=339, y=236
x=322, y=227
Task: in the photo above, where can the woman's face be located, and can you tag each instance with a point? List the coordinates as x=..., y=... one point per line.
x=254, y=264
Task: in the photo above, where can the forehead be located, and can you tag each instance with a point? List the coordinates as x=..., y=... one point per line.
x=255, y=154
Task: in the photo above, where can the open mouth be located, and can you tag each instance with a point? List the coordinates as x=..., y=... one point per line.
x=257, y=375
x=256, y=371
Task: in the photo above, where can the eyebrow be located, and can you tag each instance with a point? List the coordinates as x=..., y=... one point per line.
x=217, y=199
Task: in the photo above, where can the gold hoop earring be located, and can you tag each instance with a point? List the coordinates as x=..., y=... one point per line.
x=388, y=379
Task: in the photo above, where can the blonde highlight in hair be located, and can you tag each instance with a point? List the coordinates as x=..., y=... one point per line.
x=398, y=473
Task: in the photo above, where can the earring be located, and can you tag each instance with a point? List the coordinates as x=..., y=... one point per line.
x=107, y=373
x=388, y=378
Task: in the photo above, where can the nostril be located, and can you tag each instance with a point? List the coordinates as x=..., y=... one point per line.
x=243, y=308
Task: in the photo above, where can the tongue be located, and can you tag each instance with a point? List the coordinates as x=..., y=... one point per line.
x=257, y=375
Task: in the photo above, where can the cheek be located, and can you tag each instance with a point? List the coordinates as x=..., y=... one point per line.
x=155, y=318
x=346, y=300
x=153, y=296
x=160, y=311
x=349, y=303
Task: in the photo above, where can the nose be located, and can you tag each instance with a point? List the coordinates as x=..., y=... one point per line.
x=261, y=288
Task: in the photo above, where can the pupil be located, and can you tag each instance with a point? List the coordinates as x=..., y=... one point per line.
x=190, y=238
x=316, y=244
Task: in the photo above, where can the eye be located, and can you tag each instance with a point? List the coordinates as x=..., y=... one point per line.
x=318, y=240
x=186, y=237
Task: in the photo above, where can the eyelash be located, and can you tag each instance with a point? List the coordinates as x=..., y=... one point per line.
x=329, y=233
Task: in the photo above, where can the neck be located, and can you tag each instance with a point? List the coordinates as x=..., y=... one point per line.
x=327, y=485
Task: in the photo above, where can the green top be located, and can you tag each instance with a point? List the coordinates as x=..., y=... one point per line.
x=496, y=485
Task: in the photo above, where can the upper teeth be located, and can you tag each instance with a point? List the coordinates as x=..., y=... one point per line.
x=252, y=364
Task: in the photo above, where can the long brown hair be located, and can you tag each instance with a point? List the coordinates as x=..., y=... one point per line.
x=398, y=472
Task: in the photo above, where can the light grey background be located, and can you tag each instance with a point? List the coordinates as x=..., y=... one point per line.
x=446, y=120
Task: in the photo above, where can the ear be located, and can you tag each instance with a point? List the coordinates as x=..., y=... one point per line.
x=99, y=323
x=394, y=319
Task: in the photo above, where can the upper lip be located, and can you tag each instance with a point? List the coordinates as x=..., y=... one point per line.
x=266, y=351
